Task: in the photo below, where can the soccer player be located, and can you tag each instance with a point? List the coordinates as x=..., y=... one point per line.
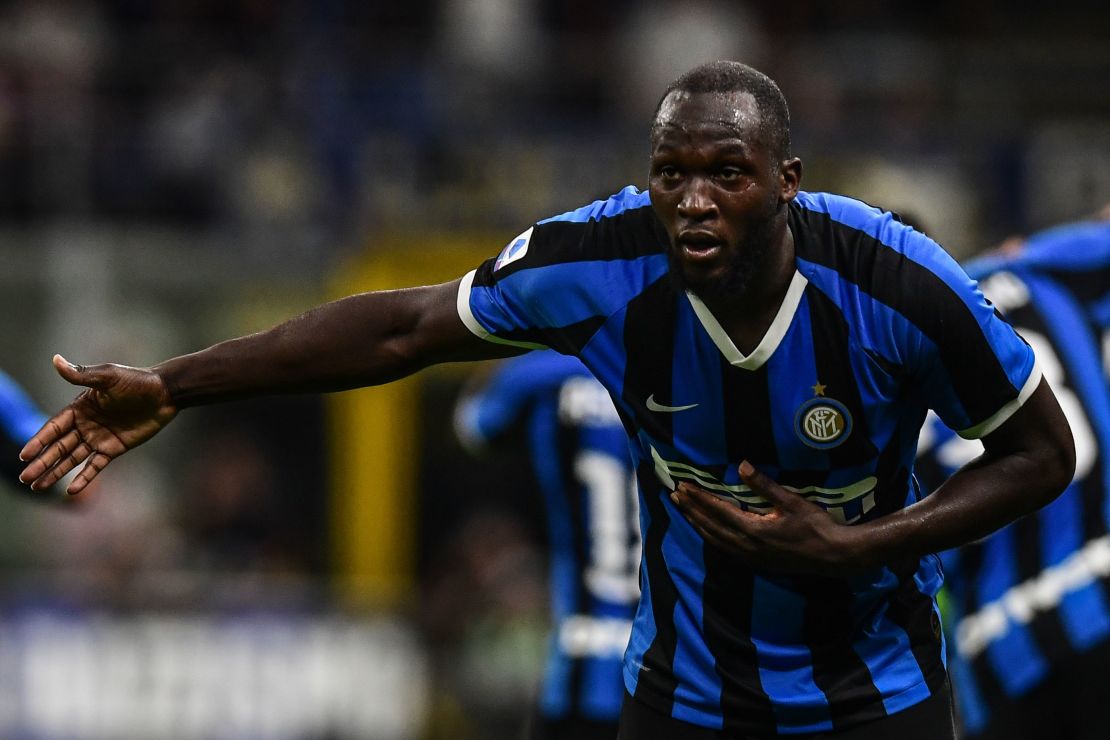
x=579, y=453
x=772, y=354
x=1031, y=603
x=19, y=419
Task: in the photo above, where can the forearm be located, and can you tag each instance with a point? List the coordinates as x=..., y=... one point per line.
x=366, y=339
x=1027, y=462
x=980, y=498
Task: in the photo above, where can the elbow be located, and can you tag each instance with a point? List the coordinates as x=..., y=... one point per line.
x=1057, y=464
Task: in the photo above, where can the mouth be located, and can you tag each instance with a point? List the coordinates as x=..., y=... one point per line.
x=698, y=246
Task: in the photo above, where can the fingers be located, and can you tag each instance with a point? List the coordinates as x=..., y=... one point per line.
x=97, y=462
x=56, y=461
x=689, y=497
x=775, y=494
x=53, y=453
x=55, y=450
x=718, y=521
x=701, y=516
x=54, y=429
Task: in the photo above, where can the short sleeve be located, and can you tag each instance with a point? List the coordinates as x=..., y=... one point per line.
x=557, y=282
x=972, y=367
x=916, y=313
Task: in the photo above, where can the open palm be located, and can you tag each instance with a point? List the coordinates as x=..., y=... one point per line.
x=121, y=408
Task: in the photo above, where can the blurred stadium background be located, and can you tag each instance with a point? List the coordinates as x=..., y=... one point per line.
x=177, y=172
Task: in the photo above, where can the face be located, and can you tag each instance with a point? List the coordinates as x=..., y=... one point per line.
x=719, y=191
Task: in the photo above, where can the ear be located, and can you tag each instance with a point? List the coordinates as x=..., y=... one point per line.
x=790, y=179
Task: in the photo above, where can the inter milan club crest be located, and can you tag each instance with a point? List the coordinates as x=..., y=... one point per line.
x=822, y=422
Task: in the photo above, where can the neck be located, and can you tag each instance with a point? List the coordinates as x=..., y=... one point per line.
x=746, y=317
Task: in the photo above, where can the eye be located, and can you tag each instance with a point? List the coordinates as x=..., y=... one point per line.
x=730, y=173
x=667, y=172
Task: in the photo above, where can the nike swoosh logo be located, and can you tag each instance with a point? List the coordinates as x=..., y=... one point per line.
x=653, y=406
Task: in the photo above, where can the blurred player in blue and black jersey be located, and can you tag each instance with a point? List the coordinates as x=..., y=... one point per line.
x=1031, y=603
x=772, y=354
x=19, y=419
x=579, y=453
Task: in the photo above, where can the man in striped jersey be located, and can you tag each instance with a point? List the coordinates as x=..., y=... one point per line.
x=772, y=354
x=1031, y=603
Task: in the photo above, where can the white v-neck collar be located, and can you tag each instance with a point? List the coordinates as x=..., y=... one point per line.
x=771, y=339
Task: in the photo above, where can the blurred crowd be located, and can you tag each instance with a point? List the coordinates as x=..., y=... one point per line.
x=324, y=120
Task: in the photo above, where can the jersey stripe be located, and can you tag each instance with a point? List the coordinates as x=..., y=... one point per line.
x=838, y=670
x=695, y=369
x=648, y=336
x=685, y=558
x=835, y=373
x=778, y=621
x=728, y=594
x=650, y=658
x=914, y=612
x=649, y=341
x=979, y=378
x=748, y=432
x=627, y=199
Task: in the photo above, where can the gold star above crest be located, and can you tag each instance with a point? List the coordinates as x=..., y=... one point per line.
x=819, y=389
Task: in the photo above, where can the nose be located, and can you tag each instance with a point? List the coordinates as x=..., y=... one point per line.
x=697, y=203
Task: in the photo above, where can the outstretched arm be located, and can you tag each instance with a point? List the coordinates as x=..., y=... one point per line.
x=365, y=339
x=1028, y=461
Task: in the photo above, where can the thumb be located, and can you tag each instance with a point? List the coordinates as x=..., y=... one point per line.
x=78, y=374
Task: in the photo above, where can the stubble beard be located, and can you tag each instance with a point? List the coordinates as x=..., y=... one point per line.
x=748, y=263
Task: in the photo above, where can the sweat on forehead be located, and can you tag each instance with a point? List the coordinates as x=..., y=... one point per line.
x=736, y=110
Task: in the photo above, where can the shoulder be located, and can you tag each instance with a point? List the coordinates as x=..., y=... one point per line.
x=837, y=222
x=871, y=247
x=579, y=265
x=629, y=201
x=621, y=227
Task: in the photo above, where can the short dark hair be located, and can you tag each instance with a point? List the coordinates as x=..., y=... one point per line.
x=728, y=77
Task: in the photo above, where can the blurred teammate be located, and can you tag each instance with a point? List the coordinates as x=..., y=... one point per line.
x=775, y=348
x=580, y=456
x=1032, y=602
x=19, y=419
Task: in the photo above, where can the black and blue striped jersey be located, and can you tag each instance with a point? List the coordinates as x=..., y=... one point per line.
x=19, y=420
x=1029, y=598
x=580, y=457
x=878, y=325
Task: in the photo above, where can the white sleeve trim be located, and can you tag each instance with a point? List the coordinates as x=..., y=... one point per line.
x=462, y=304
x=999, y=417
